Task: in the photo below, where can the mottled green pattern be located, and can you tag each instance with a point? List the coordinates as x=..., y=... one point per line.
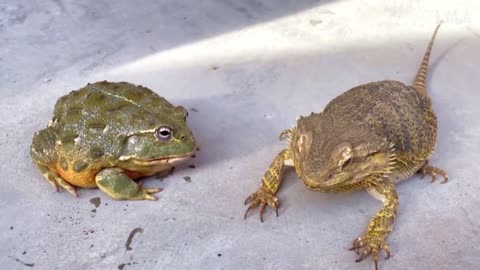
x=103, y=115
x=106, y=125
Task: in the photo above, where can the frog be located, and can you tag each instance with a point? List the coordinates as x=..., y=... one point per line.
x=108, y=135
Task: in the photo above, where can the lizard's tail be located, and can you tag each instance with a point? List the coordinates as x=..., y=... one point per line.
x=420, y=80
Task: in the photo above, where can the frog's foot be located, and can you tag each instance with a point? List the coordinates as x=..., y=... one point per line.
x=119, y=186
x=432, y=171
x=261, y=198
x=56, y=180
x=370, y=244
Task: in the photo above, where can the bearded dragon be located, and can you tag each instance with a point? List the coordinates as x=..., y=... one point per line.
x=371, y=137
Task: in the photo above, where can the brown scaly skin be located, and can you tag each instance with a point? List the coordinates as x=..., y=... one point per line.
x=370, y=137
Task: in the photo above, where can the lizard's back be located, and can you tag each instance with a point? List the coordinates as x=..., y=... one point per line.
x=393, y=111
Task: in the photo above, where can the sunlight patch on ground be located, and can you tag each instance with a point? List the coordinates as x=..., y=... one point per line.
x=326, y=28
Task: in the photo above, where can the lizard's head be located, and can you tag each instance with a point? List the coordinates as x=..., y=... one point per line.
x=329, y=154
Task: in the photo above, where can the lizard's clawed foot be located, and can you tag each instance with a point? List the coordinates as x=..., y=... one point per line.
x=432, y=171
x=261, y=198
x=370, y=244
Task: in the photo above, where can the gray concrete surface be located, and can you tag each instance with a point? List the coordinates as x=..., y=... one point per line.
x=246, y=70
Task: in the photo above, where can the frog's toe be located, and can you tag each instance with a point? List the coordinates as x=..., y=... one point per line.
x=149, y=197
x=52, y=182
x=57, y=181
x=71, y=189
x=152, y=190
x=147, y=193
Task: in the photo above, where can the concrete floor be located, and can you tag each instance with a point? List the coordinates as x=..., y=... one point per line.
x=246, y=70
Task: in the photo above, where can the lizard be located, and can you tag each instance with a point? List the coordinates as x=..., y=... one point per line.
x=371, y=137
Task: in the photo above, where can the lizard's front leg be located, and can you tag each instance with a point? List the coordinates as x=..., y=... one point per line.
x=270, y=184
x=374, y=239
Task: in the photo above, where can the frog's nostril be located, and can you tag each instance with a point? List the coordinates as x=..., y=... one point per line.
x=183, y=137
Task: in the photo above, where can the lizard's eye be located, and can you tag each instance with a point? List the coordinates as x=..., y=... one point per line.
x=344, y=155
x=344, y=163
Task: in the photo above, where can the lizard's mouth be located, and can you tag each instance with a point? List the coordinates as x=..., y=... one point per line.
x=336, y=179
x=330, y=181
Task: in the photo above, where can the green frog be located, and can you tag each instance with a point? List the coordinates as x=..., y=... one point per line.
x=109, y=134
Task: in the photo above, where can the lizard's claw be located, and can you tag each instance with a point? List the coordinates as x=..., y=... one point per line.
x=370, y=244
x=261, y=198
x=432, y=171
x=283, y=135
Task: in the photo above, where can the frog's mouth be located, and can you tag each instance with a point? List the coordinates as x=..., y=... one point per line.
x=171, y=160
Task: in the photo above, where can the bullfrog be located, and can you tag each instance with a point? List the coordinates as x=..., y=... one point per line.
x=107, y=135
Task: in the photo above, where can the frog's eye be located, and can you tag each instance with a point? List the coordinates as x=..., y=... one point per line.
x=163, y=133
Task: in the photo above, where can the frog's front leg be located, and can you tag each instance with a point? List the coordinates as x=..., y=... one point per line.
x=374, y=239
x=270, y=184
x=118, y=185
x=56, y=180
